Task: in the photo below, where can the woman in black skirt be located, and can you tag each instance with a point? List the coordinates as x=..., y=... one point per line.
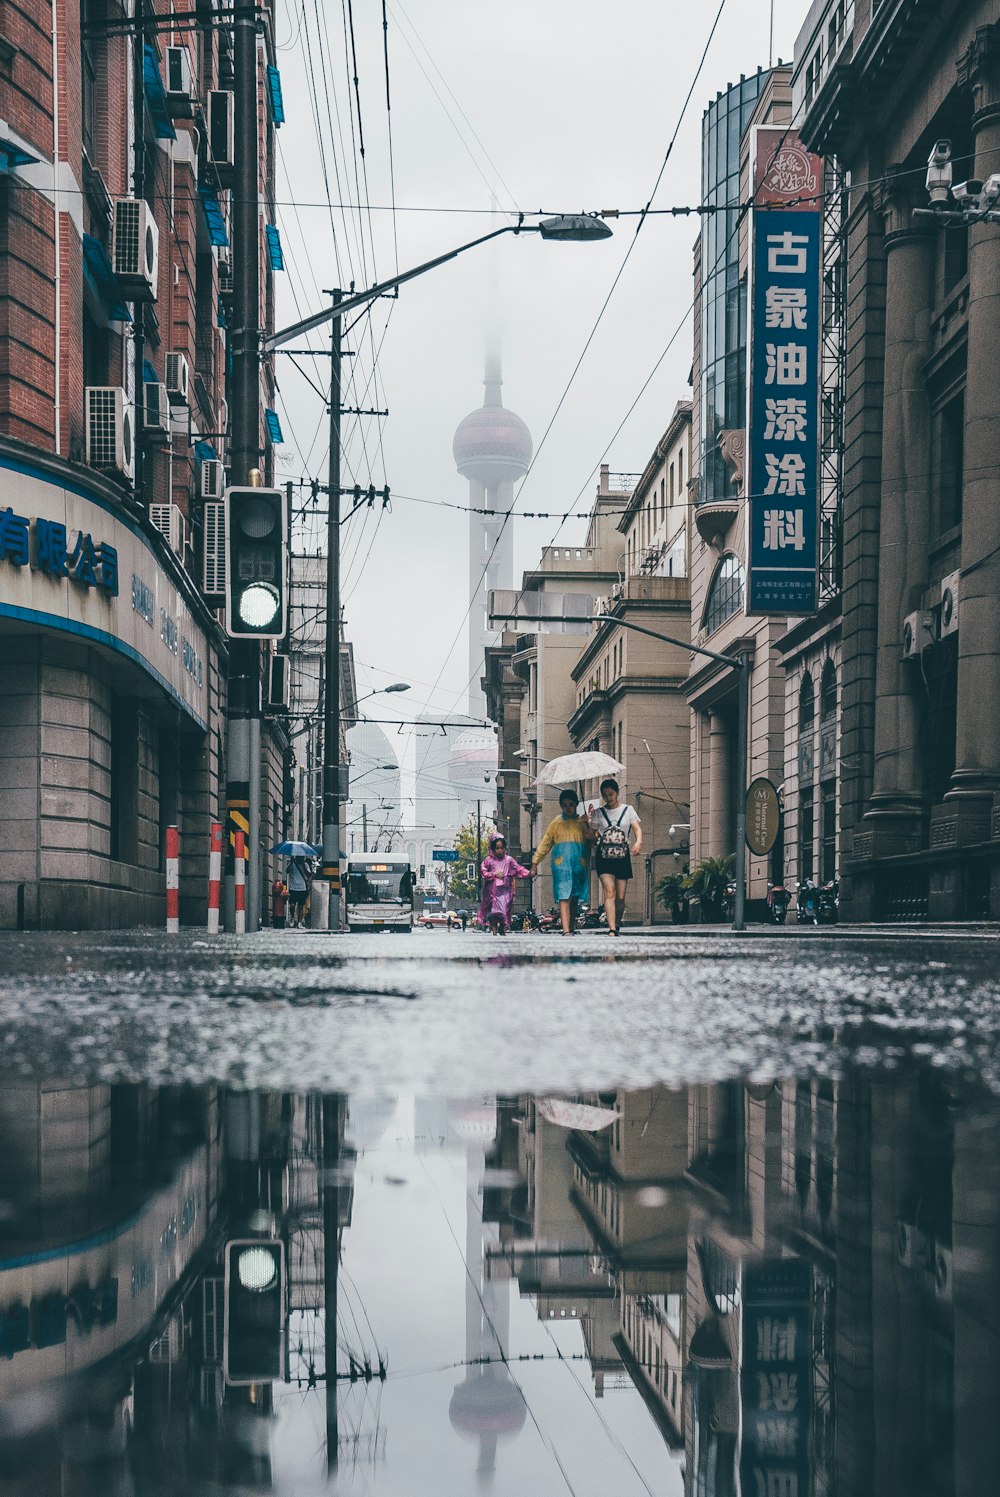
x=612, y=822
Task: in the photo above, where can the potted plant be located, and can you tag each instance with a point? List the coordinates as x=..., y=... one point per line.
x=707, y=883
x=672, y=894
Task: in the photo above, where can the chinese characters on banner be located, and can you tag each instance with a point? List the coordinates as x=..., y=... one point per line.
x=83, y=561
x=775, y=1381
x=783, y=459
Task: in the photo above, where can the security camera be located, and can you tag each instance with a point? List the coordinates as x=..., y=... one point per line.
x=967, y=193
x=939, y=172
x=991, y=189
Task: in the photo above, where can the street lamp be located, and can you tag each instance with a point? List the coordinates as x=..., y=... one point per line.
x=578, y=227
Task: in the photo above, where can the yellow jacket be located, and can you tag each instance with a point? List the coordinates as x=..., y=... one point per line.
x=564, y=829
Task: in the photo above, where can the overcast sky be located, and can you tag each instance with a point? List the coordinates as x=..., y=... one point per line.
x=558, y=105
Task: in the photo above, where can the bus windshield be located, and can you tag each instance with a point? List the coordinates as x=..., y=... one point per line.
x=378, y=883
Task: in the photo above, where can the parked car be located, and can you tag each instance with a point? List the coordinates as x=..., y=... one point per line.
x=445, y=919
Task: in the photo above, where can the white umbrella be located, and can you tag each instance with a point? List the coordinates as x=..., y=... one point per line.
x=585, y=766
x=582, y=1116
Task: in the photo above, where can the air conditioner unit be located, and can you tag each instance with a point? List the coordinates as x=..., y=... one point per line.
x=213, y=574
x=942, y=1272
x=169, y=521
x=948, y=615
x=179, y=80
x=110, y=441
x=224, y=260
x=617, y=590
x=136, y=248
x=222, y=436
x=221, y=132
x=213, y=479
x=155, y=409
x=918, y=632
x=176, y=381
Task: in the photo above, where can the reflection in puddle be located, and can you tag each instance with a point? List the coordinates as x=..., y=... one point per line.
x=779, y=1290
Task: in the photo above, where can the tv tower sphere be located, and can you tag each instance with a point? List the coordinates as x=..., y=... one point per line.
x=492, y=446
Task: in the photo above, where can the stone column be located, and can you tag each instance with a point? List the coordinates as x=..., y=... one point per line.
x=977, y=743
x=720, y=785
x=897, y=802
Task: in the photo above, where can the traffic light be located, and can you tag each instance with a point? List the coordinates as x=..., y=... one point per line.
x=256, y=563
x=254, y=1321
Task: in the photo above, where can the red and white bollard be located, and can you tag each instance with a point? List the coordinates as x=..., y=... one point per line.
x=215, y=878
x=173, y=882
x=241, y=884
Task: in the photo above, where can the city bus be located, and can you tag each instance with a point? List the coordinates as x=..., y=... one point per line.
x=380, y=893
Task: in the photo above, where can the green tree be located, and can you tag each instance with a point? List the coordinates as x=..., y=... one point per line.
x=465, y=889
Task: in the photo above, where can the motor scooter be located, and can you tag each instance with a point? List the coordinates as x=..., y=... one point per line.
x=828, y=903
x=807, y=903
x=778, y=900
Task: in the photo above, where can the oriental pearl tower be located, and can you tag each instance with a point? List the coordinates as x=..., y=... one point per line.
x=492, y=450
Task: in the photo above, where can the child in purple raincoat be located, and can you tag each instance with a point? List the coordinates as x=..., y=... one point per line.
x=499, y=872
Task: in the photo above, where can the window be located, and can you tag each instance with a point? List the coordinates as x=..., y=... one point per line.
x=828, y=831
x=807, y=817
x=680, y=472
x=671, y=483
x=725, y=596
x=91, y=12
x=807, y=704
x=948, y=438
x=828, y=692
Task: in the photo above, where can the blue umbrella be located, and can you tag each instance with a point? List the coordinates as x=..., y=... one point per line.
x=297, y=850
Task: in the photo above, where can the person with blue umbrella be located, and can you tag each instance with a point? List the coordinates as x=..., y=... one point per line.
x=299, y=855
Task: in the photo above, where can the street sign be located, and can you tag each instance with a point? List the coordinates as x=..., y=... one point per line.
x=445, y=855
x=763, y=817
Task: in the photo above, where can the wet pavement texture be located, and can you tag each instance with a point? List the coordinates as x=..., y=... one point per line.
x=687, y=1214
x=447, y=1013
x=767, y=1288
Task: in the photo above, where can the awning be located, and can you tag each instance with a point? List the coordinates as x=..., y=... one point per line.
x=103, y=281
x=156, y=97
x=273, y=425
x=149, y=374
x=12, y=152
x=275, y=254
x=213, y=216
x=205, y=452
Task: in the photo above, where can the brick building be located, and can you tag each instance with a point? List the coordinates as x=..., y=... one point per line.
x=116, y=155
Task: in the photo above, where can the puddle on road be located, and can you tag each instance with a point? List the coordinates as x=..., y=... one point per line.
x=784, y=1290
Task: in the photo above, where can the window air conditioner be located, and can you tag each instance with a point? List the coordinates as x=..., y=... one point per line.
x=221, y=133
x=177, y=378
x=135, y=248
x=918, y=633
x=948, y=615
x=224, y=260
x=213, y=576
x=110, y=440
x=213, y=479
x=179, y=80
x=169, y=521
x=155, y=409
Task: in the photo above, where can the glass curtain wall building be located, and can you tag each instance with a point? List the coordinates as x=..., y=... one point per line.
x=724, y=317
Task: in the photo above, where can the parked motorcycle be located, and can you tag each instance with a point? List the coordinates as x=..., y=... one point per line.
x=729, y=902
x=828, y=903
x=807, y=904
x=524, y=920
x=549, y=922
x=778, y=900
x=590, y=919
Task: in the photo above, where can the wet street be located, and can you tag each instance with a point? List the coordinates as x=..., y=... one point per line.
x=442, y=1214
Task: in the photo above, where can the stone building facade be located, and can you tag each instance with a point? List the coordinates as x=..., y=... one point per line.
x=115, y=279
x=920, y=754
x=629, y=686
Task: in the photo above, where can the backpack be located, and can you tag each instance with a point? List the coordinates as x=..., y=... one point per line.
x=612, y=844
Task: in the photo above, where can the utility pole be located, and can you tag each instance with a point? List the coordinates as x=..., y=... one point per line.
x=479, y=850
x=330, y=1188
x=243, y=709
x=331, y=714
x=364, y=825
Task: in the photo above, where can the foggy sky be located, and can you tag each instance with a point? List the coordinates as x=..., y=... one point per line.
x=575, y=103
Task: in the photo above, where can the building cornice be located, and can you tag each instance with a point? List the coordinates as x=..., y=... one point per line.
x=682, y=417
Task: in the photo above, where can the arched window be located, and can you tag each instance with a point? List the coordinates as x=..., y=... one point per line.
x=807, y=704
x=725, y=595
x=828, y=692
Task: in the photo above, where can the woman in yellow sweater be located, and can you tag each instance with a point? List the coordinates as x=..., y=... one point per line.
x=568, y=837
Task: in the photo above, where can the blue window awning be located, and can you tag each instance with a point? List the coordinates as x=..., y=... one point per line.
x=149, y=374
x=275, y=254
x=213, y=216
x=205, y=452
x=222, y=319
x=156, y=96
x=274, y=98
x=12, y=153
x=273, y=425
x=103, y=281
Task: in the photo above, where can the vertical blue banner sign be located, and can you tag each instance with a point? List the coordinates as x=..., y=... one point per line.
x=775, y=1379
x=783, y=425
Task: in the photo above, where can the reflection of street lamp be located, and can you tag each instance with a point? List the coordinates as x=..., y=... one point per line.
x=577, y=226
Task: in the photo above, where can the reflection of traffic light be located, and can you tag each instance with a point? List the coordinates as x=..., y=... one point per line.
x=253, y=1339
x=256, y=563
